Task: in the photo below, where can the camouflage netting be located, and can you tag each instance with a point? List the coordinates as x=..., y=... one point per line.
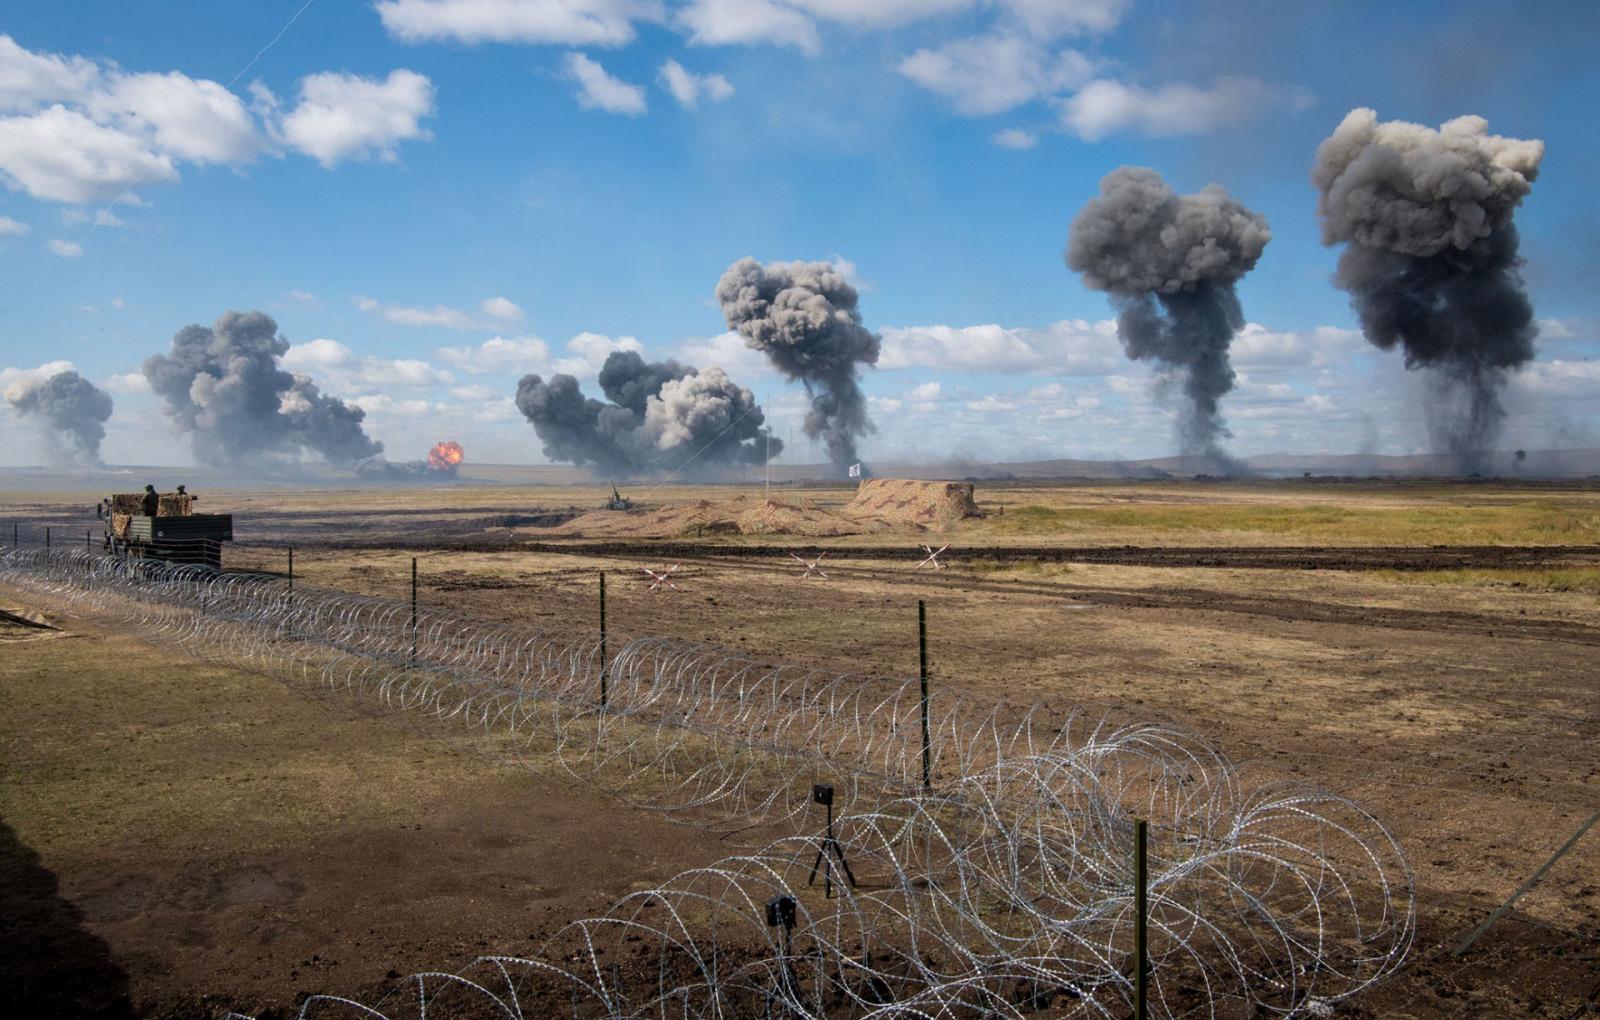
x=126, y=505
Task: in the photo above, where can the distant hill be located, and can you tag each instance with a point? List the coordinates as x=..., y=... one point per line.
x=1537, y=464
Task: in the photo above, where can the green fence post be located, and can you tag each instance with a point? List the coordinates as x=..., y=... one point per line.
x=1141, y=916
x=922, y=672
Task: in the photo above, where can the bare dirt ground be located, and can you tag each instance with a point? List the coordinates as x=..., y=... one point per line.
x=176, y=832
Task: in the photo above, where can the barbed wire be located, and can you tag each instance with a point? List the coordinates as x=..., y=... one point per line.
x=1003, y=889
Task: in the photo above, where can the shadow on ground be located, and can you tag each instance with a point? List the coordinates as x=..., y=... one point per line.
x=50, y=965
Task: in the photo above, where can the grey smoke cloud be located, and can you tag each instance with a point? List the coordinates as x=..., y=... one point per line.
x=1431, y=261
x=658, y=417
x=223, y=387
x=74, y=409
x=1170, y=263
x=804, y=317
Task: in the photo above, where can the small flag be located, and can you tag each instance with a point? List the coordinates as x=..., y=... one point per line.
x=855, y=470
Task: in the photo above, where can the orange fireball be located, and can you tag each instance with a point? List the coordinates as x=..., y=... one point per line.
x=445, y=455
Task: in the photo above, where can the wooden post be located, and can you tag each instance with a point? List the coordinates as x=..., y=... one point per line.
x=603, y=662
x=922, y=671
x=1141, y=916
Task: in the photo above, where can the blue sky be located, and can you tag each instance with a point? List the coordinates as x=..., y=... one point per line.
x=433, y=197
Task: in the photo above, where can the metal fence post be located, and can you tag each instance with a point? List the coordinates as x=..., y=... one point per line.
x=47, y=539
x=922, y=670
x=413, y=612
x=291, y=568
x=1141, y=915
x=603, y=661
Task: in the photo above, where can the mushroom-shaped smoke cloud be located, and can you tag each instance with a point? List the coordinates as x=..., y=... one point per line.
x=72, y=408
x=1170, y=263
x=661, y=417
x=223, y=386
x=803, y=317
x=1431, y=258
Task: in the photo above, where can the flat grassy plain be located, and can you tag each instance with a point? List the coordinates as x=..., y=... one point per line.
x=231, y=835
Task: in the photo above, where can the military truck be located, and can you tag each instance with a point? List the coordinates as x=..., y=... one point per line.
x=174, y=533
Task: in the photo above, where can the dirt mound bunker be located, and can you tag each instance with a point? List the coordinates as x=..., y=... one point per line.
x=908, y=502
x=881, y=504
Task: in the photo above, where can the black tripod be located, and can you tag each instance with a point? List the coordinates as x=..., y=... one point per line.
x=822, y=793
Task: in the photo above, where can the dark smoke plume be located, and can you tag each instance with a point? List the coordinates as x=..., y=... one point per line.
x=661, y=417
x=803, y=317
x=224, y=388
x=1170, y=263
x=1431, y=258
x=73, y=408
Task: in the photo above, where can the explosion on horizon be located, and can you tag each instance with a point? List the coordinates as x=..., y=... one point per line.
x=1170, y=263
x=446, y=456
x=224, y=388
x=804, y=317
x=660, y=417
x=73, y=411
x=1430, y=259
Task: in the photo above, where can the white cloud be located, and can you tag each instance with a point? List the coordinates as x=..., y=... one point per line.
x=320, y=353
x=590, y=350
x=517, y=354
x=340, y=369
x=194, y=120
x=728, y=352
x=16, y=381
x=1255, y=345
x=562, y=22
x=1559, y=380
x=501, y=308
x=1104, y=107
x=740, y=22
x=687, y=87
x=926, y=391
x=128, y=382
x=11, y=228
x=75, y=216
x=1050, y=18
x=61, y=155
x=1070, y=347
x=118, y=303
x=347, y=116
x=28, y=79
x=82, y=130
x=493, y=310
x=990, y=74
x=991, y=404
x=65, y=249
x=885, y=405
x=880, y=13
x=599, y=90
x=475, y=393
x=85, y=131
x=381, y=405
x=304, y=297
x=1015, y=138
